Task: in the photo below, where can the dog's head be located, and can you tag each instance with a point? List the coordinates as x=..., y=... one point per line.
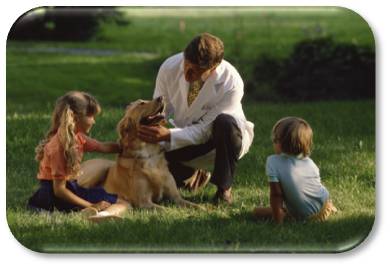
x=140, y=112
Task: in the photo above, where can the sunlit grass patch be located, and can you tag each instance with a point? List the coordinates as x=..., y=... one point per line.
x=348, y=172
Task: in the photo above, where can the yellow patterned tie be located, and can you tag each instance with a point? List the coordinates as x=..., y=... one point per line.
x=194, y=90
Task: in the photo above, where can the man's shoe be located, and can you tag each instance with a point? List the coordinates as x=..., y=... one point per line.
x=223, y=196
x=197, y=181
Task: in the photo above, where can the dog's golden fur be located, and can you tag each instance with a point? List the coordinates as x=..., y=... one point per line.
x=140, y=175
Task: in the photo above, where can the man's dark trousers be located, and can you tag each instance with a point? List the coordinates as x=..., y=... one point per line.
x=226, y=139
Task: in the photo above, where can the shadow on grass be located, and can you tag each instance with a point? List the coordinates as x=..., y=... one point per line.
x=183, y=231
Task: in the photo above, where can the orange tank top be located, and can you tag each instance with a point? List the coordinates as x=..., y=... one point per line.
x=53, y=164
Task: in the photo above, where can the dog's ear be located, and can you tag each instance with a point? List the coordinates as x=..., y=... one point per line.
x=126, y=129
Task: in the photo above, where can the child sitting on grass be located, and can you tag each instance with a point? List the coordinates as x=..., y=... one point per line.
x=59, y=155
x=294, y=178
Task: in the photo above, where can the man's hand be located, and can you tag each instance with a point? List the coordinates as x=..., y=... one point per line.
x=154, y=134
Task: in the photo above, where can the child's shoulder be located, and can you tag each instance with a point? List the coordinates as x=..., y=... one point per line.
x=274, y=158
x=311, y=162
x=308, y=160
x=285, y=158
x=308, y=164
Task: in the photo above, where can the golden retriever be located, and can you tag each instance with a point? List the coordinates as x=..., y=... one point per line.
x=140, y=175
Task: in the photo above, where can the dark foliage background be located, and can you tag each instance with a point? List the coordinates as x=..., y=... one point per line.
x=317, y=69
x=63, y=23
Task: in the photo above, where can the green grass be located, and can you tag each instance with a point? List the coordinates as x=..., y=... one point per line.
x=153, y=35
x=344, y=136
x=344, y=151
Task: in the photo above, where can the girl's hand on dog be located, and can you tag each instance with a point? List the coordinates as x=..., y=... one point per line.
x=102, y=205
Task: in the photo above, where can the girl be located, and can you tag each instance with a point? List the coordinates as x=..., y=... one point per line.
x=59, y=155
x=293, y=177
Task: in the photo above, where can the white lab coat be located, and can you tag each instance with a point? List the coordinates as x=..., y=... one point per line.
x=221, y=93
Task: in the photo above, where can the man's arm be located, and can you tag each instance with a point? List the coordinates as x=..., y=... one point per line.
x=195, y=134
x=201, y=131
x=154, y=134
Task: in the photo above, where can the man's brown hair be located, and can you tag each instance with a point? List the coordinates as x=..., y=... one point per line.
x=205, y=50
x=294, y=135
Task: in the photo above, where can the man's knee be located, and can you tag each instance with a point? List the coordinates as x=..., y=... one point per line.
x=224, y=124
x=225, y=127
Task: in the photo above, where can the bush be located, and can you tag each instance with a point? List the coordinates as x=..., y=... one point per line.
x=318, y=69
x=63, y=23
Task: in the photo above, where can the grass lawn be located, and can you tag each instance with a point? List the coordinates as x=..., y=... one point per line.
x=344, y=136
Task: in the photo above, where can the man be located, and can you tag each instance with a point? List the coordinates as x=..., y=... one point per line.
x=203, y=94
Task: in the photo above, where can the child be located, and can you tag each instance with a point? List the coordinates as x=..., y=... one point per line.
x=293, y=177
x=59, y=155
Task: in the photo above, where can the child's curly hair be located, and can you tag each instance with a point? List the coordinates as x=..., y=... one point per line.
x=68, y=108
x=294, y=135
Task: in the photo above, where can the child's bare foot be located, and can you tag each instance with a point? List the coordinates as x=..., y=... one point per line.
x=104, y=216
x=88, y=212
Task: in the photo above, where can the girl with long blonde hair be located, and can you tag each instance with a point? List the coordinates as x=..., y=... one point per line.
x=60, y=153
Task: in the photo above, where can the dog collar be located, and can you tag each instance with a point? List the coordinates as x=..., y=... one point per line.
x=141, y=156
